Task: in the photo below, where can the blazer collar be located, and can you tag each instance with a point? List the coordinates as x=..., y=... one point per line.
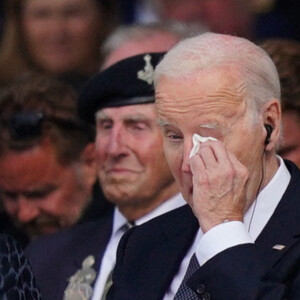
x=283, y=229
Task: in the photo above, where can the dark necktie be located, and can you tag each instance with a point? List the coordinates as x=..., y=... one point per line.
x=184, y=292
x=109, y=282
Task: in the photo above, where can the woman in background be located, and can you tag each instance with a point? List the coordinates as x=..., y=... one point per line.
x=60, y=37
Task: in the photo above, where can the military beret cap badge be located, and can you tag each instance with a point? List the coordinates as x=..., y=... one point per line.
x=147, y=74
x=127, y=82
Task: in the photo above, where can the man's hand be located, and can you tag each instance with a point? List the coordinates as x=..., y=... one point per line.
x=219, y=181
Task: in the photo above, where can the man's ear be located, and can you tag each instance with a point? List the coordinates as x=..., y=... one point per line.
x=272, y=118
x=87, y=158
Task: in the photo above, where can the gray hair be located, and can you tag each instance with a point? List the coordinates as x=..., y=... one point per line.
x=139, y=31
x=210, y=50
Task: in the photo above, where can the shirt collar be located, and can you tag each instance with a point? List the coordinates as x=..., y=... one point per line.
x=172, y=203
x=262, y=209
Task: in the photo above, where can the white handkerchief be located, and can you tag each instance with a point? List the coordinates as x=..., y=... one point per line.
x=197, y=139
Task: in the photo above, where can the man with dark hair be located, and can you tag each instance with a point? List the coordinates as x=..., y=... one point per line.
x=47, y=167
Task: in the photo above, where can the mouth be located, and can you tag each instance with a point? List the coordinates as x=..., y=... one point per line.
x=120, y=170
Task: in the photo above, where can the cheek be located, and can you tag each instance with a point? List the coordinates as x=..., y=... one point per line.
x=85, y=29
x=33, y=31
x=174, y=162
x=10, y=206
x=82, y=27
x=61, y=203
x=54, y=202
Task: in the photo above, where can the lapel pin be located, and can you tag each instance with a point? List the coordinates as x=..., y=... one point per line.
x=278, y=247
x=80, y=284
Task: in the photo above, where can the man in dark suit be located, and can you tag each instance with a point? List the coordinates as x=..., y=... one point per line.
x=133, y=174
x=217, y=99
x=17, y=281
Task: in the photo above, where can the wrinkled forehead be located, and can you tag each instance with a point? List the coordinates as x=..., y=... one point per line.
x=222, y=88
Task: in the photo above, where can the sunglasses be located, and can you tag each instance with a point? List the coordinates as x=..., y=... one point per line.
x=28, y=125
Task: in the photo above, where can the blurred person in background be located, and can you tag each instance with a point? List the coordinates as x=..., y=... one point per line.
x=222, y=16
x=255, y=19
x=286, y=56
x=47, y=167
x=136, y=39
x=54, y=36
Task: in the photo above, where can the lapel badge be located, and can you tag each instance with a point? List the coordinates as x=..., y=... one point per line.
x=147, y=73
x=79, y=287
x=278, y=247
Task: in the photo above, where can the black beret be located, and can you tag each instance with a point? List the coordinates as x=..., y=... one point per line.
x=127, y=82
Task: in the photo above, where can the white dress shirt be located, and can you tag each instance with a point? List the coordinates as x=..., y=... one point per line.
x=109, y=257
x=226, y=235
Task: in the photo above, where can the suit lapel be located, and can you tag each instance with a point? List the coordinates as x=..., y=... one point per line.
x=94, y=244
x=179, y=234
x=168, y=237
x=283, y=229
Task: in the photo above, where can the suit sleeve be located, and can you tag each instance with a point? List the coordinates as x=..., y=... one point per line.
x=16, y=278
x=239, y=273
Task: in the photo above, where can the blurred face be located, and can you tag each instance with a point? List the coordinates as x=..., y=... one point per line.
x=184, y=11
x=156, y=42
x=210, y=104
x=223, y=16
x=132, y=168
x=290, y=148
x=62, y=35
x=39, y=194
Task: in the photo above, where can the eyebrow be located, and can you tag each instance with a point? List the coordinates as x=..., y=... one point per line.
x=101, y=116
x=162, y=123
x=211, y=125
x=35, y=192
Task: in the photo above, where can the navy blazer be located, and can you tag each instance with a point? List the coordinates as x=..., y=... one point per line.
x=55, y=258
x=16, y=279
x=149, y=257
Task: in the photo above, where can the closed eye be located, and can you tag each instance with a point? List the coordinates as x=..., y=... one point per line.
x=137, y=125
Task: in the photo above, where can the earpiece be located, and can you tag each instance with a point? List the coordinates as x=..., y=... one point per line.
x=269, y=129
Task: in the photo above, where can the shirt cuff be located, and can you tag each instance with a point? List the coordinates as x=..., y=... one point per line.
x=220, y=238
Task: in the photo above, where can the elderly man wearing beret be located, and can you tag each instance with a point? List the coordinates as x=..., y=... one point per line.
x=133, y=173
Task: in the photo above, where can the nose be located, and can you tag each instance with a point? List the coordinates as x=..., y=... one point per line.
x=56, y=26
x=117, y=143
x=186, y=157
x=27, y=210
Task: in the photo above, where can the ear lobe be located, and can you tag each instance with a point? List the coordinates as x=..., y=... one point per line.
x=88, y=154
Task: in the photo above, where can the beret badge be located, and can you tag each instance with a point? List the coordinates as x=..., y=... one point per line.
x=147, y=74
